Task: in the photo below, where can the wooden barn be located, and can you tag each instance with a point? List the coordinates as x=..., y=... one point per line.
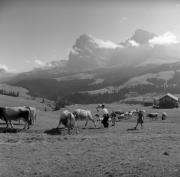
x=148, y=101
x=168, y=101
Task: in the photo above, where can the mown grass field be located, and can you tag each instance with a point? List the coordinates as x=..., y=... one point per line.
x=150, y=152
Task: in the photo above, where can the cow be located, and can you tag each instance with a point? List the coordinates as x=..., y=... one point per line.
x=32, y=114
x=16, y=113
x=164, y=116
x=152, y=116
x=68, y=120
x=83, y=114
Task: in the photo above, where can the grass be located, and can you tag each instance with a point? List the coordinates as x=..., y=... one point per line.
x=149, y=152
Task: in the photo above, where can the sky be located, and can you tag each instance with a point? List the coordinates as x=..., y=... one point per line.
x=38, y=31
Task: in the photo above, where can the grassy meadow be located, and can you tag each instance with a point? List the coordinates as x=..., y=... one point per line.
x=153, y=151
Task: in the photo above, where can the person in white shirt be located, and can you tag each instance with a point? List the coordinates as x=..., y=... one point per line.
x=105, y=113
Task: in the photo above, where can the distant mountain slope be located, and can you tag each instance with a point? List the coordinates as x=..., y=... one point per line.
x=5, y=76
x=137, y=79
x=105, y=71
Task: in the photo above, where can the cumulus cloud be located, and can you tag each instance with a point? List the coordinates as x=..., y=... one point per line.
x=133, y=43
x=42, y=64
x=106, y=44
x=4, y=67
x=124, y=18
x=28, y=61
x=74, y=51
x=164, y=39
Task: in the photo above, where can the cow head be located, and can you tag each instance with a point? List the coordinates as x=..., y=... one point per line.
x=75, y=114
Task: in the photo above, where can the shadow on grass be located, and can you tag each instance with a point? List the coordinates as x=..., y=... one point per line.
x=56, y=131
x=10, y=130
x=91, y=128
x=132, y=129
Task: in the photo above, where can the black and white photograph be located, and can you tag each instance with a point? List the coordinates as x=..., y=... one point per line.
x=89, y=88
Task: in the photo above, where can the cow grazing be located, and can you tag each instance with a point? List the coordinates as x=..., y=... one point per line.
x=68, y=120
x=16, y=113
x=84, y=115
x=152, y=116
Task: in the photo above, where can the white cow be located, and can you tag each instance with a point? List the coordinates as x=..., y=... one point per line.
x=164, y=115
x=83, y=114
x=68, y=120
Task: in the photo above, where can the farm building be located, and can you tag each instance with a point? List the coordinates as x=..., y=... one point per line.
x=148, y=101
x=168, y=101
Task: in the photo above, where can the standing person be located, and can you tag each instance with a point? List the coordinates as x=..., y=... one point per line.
x=113, y=118
x=105, y=113
x=140, y=119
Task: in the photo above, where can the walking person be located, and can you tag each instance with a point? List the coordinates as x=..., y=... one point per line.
x=105, y=113
x=140, y=119
x=113, y=118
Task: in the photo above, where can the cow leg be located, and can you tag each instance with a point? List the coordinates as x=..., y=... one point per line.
x=76, y=130
x=28, y=125
x=69, y=130
x=94, y=123
x=11, y=124
x=86, y=122
x=7, y=125
x=25, y=125
x=59, y=124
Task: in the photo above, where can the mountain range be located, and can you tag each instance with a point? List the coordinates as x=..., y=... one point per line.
x=103, y=71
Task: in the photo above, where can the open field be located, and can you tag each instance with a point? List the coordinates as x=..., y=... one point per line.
x=150, y=152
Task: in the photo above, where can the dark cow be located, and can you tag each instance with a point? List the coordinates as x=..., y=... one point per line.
x=16, y=113
x=68, y=120
x=152, y=116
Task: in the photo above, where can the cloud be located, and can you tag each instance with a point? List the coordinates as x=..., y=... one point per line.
x=124, y=18
x=177, y=5
x=4, y=67
x=74, y=51
x=42, y=64
x=133, y=43
x=105, y=44
x=164, y=39
x=28, y=61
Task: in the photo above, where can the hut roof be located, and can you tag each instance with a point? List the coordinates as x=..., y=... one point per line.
x=171, y=96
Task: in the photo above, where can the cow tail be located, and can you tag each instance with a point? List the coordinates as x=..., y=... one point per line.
x=70, y=119
x=30, y=117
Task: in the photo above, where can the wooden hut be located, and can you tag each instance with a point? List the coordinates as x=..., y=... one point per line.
x=168, y=101
x=148, y=101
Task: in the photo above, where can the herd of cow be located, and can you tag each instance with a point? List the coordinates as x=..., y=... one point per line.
x=67, y=118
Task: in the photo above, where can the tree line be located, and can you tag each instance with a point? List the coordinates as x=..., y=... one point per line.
x=86, y=98
x=9, y=93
